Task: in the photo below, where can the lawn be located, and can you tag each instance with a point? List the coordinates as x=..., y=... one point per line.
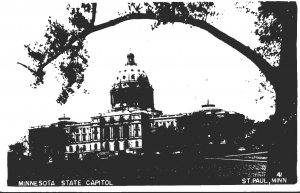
x=142, y=170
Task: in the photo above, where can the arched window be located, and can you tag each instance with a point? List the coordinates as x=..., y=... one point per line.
x=71, y=149
x=124, y=77
x=95, y=146
x=84, y=148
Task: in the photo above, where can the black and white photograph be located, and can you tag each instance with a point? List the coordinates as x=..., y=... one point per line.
x=149, y=96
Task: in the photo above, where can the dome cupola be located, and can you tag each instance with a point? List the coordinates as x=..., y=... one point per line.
x=132, y=89
x=130, y=60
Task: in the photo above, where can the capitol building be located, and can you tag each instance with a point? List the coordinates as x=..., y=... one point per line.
x=123, y=129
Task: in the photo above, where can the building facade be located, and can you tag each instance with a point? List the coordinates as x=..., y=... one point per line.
x=123, y=129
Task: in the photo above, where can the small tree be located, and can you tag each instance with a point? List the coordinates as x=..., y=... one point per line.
x=18, y=149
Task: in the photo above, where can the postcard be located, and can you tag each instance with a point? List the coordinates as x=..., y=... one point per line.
x=149, y=96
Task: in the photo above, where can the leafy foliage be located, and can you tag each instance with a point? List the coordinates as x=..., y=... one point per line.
x=269, y=30
x=169, y=12
x=65, y=45
x=276, y=27
x=19, y=148
x=59, y=43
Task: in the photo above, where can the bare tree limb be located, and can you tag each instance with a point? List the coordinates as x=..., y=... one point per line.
x=27, y=67
x=94, y=11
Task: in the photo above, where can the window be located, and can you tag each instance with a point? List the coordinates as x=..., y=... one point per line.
x=112, y=120
x=72, y=140
x=107, y=146
x=83, y=130
x=136, y=143
x=126, y=144
x=102, y=133
x=84, y=148
x=71, y=149
x=111, y=129
x=95, y=146
x=124, y=77
x=132, y=70
x=116, y=145
x=77, y=148
x=95, y=136
x=106, y=133
x=84, y=137
x=136, y=131
x=77, y=137
x=133, y=77
x=121, y=131
x=117, y=78
x=126, y=131
x=116, y=132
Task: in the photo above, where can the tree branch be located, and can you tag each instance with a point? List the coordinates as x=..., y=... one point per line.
x=94, y=11
x=258, y=60
x=27, y=67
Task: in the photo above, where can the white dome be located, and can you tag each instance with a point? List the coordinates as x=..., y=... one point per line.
x=130, y=73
